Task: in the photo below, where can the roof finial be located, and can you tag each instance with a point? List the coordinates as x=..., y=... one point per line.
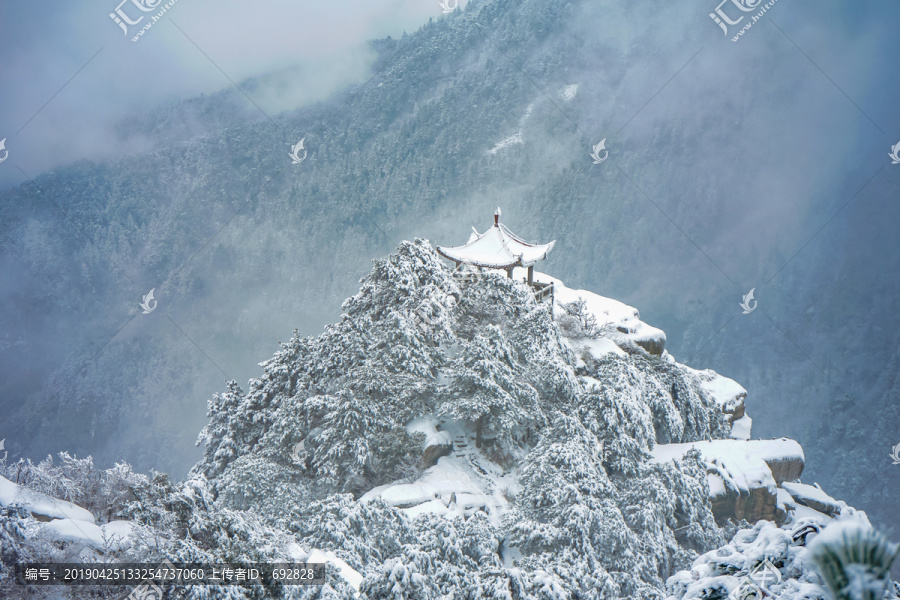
x=497, y=217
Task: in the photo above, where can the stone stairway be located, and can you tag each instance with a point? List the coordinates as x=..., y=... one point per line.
x=465, y=449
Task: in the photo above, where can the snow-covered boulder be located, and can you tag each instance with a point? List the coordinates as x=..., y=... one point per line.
x=725, y=392
x=743, y=475
x=814, y=498
x=618, y=322
x=436, y=446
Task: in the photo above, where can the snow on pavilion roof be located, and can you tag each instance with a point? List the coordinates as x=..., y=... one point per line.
x=497, y=248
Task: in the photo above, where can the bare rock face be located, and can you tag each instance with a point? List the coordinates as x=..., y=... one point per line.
x=751, y=504
x=436, y=446
x=786, y=469
x=784, y=458
x=744, y=476
x=654, y=344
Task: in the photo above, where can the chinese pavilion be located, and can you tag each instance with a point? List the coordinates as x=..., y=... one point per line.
x=498, y=248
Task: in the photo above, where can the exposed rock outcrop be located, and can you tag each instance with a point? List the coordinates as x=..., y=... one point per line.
x=436, y=446
x=744, y=476
x=814, y=498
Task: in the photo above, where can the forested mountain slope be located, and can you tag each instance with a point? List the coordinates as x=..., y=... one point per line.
x=499, y=103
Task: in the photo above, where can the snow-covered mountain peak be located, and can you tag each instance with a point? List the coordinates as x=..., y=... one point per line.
x=464, y=434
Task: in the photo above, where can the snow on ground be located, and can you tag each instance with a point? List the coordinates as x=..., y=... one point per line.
x=448, y=488
x=742, y=463
x=808, y=491
x=41, y=504
x=624, y=321
x=597, y=348
x=779, y=449
x=426, y=425
x=515, y=138
x=813, y=497
x=729, y=395
x=805, y=513
x=459, y=484
x=776, y=557
x=350, y=575
x=740, y=429
x=113, y=535
x=725, y=392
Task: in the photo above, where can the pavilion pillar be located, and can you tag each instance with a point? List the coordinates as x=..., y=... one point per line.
x=530, y=275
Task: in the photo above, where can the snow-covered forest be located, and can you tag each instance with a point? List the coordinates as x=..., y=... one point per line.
x=500, y=448
x=241, y=249
x=438, y=435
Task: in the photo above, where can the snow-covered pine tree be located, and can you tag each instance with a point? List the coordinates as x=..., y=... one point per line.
x=489, y=391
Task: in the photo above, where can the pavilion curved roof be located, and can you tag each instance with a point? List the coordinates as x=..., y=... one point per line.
x=497, y=248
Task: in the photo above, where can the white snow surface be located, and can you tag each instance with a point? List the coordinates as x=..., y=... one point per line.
x=515, y=138
x=459, y=484
x=806, y=513
x=606, y=310
x=761, y=548
x=727, y=393
x=802, y=490
x=42, y=504
x=67, y=530
x=428, y=426
x=740, y=429
x=741, y=463
x=350, y=575
x=598, y=347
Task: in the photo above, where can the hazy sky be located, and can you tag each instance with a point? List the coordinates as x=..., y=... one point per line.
x=69, y=73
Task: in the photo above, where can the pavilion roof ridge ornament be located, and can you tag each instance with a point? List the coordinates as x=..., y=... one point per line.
x=496, y=248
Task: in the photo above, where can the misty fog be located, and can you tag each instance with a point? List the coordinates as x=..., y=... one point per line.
x=164, y=165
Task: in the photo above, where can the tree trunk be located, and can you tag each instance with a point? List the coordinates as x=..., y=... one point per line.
x=479, y=425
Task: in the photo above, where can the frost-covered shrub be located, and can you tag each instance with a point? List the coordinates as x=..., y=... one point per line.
x=854, y=560
x=104, y=492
